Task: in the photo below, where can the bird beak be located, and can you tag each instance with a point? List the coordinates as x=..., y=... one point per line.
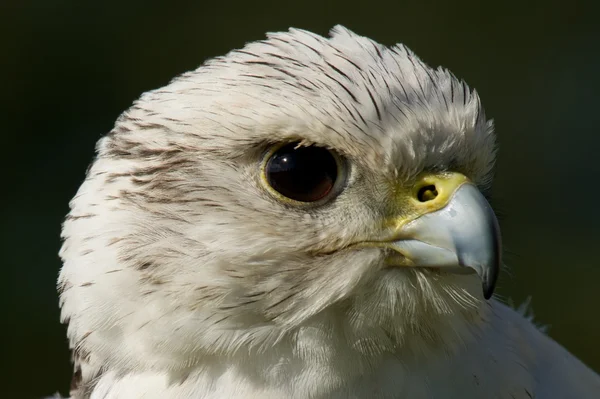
x=450, y=226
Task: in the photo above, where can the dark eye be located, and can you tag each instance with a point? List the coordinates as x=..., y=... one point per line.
x=305, y=174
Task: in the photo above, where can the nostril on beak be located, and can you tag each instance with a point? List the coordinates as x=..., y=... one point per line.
x=427, y=193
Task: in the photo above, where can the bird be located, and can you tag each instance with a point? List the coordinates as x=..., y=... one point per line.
x=305, y=217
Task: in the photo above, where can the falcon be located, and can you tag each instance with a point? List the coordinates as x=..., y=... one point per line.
x=302, y=218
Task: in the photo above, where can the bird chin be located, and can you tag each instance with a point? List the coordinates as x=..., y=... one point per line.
x=432, y=270
x=415, y=307
x=452, y=286
x=400, y=262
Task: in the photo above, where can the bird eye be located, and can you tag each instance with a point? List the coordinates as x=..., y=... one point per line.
x=300, y=173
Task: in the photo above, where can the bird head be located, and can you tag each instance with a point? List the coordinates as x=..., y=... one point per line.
x=299, y=182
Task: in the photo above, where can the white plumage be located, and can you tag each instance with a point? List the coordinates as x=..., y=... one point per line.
x=185, y=277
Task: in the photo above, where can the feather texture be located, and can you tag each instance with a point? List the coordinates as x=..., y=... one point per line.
x=184, y=278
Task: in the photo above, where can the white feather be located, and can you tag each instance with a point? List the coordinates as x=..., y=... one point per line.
x=183, y=278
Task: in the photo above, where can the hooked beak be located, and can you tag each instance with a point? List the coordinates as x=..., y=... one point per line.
x=452, y=227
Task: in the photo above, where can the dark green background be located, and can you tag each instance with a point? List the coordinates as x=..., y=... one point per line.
x=69, y=67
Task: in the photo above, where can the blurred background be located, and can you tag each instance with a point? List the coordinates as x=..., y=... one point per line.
x=70, y=67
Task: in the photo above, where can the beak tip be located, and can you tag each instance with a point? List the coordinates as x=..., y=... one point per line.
x=488, y=282
x=488, y=291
